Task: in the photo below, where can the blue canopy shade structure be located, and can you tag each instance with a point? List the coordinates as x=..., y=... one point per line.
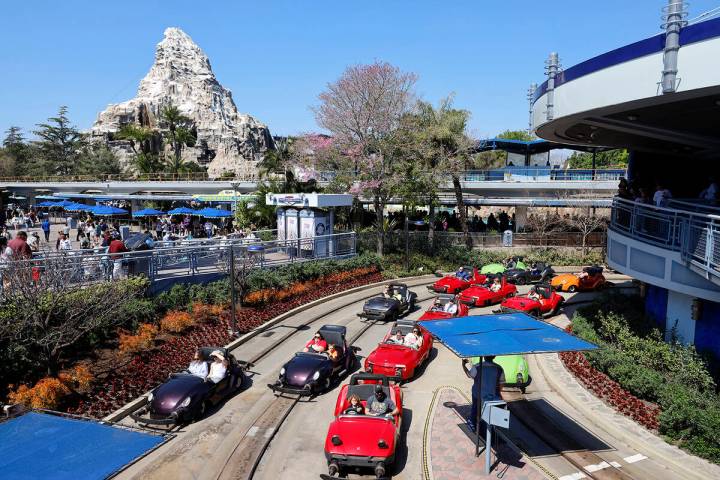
x=503, y=334
x=182, y=211
x=214, y=213
x=106, y=210
x=78, y=207
x=41, y=445
x=148, y=212
x=48, y=203
x=528, y=147
x=65, y=203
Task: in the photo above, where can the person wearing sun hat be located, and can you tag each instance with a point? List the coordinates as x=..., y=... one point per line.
x=218, y=368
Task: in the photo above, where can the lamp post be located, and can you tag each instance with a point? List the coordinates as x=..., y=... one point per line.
x=417, y=223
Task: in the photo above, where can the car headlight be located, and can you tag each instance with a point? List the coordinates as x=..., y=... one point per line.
x=398, y=371
x=150, y=397
x=316, y=375
x=185, y=402
x=282, y=371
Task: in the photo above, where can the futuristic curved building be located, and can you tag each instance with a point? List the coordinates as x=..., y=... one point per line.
x=660, y=99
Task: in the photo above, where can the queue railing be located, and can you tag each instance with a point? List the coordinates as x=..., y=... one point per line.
x=185, y=260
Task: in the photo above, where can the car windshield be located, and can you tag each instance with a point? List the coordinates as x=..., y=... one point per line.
x=310, y=354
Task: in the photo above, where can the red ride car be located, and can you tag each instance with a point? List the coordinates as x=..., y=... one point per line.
x=399, y=360
x=483, y=295
x=437, y=310
x=549, y=302
x=359, y=440
x=454, y=284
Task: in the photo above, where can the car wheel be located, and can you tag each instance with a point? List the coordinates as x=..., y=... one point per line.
x=572, y=289
x=510, y=295
x=536, y=313
x=201, y=410
x=520, y=281
x=522, y=390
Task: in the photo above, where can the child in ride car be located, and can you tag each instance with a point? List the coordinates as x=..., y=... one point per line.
x=356, y=407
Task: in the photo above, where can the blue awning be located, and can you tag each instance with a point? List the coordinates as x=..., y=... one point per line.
x=107, y=210
x=182, y=211
x=40, y=445
x=214, y=213
x=148, y=212
x=503, y=334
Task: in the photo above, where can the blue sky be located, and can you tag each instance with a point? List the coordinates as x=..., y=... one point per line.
x=276, y=56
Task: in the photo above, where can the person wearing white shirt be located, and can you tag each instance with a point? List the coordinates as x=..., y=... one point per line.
x=198, y=366
x=451, y=307
x=64, y=243
x=662, y=196
x=218, y=369
x=414, y=339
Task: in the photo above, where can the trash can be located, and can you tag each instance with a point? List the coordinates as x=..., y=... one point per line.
x=139, y=264
x=507, y=238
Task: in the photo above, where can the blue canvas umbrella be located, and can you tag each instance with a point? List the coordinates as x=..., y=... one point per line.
x=182, y=211
x=214, y=213
x=106, y=210
x=48, y=204
x=148, y=212
x=78, y=207
x=65, y=203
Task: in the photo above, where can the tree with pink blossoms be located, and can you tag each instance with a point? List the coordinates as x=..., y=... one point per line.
x=363, y=111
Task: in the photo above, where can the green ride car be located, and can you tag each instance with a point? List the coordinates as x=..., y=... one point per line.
x=516, y=373
x=495, y=268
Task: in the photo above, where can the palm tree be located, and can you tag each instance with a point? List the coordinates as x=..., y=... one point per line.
x=447, y=145
x=138, y=136
x=179, y=134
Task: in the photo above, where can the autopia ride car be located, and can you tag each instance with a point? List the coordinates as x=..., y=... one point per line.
x=550, y=302
x=310, y=373
x=455, y=284
x=437, y=311
x=399, y=361
x=591, y=278
x=185, y=397
x=482, y=295
x=381, y=308
x=363, y=441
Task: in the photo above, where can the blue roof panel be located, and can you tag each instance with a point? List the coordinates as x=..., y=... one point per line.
x=39, y=445
x=503, y=334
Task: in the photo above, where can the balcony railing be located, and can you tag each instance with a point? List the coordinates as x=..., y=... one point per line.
x=511, y=174
x=695, y=234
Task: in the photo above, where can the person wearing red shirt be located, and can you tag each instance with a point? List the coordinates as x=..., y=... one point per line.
x=116, y=247
x=20, y=247
x=316, y=344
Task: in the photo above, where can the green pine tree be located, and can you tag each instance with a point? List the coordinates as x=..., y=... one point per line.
x=59, y=145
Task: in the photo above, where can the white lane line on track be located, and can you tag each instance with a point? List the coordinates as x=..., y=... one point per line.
x=573, y=476
x=253, y=431
x=635, y=458
x=595, y=468
x=615, y=464
x=269, y=432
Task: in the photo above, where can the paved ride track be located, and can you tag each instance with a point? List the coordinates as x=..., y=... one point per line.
x=244, y=461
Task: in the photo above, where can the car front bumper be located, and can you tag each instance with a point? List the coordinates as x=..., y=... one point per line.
x=358, y=460
x=143, y=416
x=374, y=315
x=305, y=391
x=440, y=289
x=517, y=384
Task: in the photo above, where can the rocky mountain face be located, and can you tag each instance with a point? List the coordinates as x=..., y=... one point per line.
x=227, y=141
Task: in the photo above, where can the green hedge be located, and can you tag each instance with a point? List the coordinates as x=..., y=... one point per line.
x=182, y=296
x=668, y=373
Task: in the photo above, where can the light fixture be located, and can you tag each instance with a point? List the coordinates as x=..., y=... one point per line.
x=632, y=118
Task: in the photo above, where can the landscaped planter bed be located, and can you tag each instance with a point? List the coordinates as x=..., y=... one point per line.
x=150, y=368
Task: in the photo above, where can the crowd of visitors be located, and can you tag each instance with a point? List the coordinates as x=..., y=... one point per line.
x=495, y=221
x=661, y=197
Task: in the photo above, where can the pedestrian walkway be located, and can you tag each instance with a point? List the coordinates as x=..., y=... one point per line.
x=450, y=446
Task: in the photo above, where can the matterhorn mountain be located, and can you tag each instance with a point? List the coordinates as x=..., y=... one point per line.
x=227, y=141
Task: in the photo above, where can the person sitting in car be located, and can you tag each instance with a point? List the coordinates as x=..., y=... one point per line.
x=218, y=368
x=355, y=407
x=317, y=344
x=389, y=293
x=414, y=339
x=496, y=285
x=398, y=339
x=379, y=404
x=437, y=306
x=533, y=294
x=451, y=307
x=333, y=353
x=462, y=274
x=198, y=366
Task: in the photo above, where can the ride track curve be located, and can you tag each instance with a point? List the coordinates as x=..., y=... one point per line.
x=245, y=458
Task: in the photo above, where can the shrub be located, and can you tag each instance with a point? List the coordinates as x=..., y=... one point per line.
x=79, y=377
x=176, y=321
x=142, y=340
x=47, y=393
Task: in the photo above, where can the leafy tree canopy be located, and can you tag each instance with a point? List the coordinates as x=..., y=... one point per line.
x=610, y=159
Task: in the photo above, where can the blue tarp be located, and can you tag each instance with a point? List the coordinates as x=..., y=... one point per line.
x=44, y=446
x=182, y=211
x=503, y=334
x=214, y=213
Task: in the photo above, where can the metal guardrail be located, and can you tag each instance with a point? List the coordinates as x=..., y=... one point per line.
x=188, y=260
x=511, y=174
x=695, y=235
